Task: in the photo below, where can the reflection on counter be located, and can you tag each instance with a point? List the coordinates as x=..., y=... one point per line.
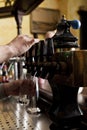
x=13, y=116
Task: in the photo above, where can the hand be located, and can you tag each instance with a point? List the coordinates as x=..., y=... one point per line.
x=50, y=34
x=25, y=86
x=21, y=44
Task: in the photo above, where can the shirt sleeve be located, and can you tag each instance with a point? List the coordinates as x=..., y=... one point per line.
x=2, y=92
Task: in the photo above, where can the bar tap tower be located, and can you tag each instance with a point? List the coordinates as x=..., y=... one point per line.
x=65, y=70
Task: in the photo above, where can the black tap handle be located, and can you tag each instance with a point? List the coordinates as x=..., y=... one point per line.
x=41, y=51
x=36, y=52
x=50, y=48
x=31, y=55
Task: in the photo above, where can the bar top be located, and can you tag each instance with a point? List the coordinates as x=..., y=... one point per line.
x=13, y=116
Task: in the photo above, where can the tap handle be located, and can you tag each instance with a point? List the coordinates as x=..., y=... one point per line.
x=50, y=48
x=75, y=24
x=30, y=55
x=36, y=52
x=41, y=51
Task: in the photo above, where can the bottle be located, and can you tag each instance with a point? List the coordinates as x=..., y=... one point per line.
x=5, y=77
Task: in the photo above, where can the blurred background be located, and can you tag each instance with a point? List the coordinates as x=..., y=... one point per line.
x=70, y=8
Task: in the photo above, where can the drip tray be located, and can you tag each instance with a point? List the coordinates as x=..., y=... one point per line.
x=13, y=116
x=11, y=121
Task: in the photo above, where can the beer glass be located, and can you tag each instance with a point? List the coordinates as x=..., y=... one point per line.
x=32, y=104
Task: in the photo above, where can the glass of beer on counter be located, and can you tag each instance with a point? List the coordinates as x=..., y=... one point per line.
x=31, y=107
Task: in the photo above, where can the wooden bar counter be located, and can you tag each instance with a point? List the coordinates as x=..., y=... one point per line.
x=13, y=116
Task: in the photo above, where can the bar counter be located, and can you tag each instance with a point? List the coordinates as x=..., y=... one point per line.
x=13, y=116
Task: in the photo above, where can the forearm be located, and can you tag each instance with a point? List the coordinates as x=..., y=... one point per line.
x=5, y=53
x=10, y=88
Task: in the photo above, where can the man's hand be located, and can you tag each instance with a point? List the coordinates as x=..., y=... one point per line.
x=16, y=47
x=21, y=44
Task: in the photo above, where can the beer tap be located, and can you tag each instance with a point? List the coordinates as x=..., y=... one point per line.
x=30, y=61
x=55, y=61
x=65, y=110
x=62, y=71
x=47, y=51
x=63, y=37
x=50, y=49
x=39, y=55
